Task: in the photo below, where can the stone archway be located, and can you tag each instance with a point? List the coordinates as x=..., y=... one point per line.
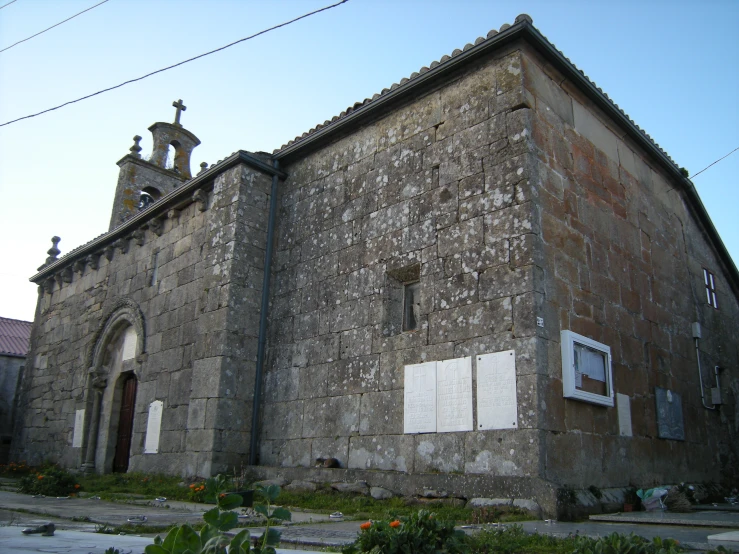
x=113, y=365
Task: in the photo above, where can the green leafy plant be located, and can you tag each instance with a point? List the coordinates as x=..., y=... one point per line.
x=418, y=533
x=625, y=544
x=212, y=538
x=49, y=481
x=510, y=539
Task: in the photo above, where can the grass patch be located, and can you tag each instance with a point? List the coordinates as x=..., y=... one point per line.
x=515, y=539
x=115, y=485
x=327, y=500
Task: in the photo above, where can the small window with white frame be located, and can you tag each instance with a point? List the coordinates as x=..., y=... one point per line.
x=586, y=369
x=710, y=282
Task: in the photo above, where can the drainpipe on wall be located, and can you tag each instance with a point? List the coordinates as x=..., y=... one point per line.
x=263, y=319
x=697, y=337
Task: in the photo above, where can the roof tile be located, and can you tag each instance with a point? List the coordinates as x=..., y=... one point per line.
x=14, y=336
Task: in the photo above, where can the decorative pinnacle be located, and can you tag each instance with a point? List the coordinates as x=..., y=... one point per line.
x=203, y=167
x=180, y=108
x=53, y=252
x=136, y=148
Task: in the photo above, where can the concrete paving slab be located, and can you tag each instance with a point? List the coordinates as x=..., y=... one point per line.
x=700, y=518
x=79, y=542
x=730, y=539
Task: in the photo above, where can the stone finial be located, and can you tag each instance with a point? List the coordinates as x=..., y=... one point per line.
x=53, y=252
x=203, y=167
x=180, y=108
x=136, y=148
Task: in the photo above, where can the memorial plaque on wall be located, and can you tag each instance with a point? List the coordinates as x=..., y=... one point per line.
x=153, y=427
x=669, y=414
x=419, y=398
x=497, y=405
x=454, y=395
x=623, y=406
x=79, y=426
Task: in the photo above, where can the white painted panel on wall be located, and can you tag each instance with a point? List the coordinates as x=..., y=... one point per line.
x=623, y=407
x=497, y=403
x=129, y=344
x=419, y=407
x=153, y=427
x=454, y=395
x=79, y=428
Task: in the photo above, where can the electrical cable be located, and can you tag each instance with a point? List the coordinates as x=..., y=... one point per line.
x=48, y=29
x=178, y=64
x=714, y=163
x=8, y=4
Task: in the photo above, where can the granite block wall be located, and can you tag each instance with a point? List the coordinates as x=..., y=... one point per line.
x=197, y=285
x=622, y=259
x=437, y=190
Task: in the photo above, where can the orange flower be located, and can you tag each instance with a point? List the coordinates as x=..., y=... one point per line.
x=366, y=525
x=40, y=477
x=76, y=486
x=192, y=486
x=223, y=495
x=395, y=523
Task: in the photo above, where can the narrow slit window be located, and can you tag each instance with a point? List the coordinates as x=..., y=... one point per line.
x=411, y=306
x=710, y=282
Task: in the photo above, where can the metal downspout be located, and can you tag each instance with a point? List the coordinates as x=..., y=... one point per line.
x=700, y=376
x=263, y=320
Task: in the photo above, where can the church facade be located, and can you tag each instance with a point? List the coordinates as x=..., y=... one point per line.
x=485, y=279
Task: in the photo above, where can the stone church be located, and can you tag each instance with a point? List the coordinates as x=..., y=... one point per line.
x=485, y=279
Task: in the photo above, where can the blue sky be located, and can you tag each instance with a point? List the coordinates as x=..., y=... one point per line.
x=670, y=65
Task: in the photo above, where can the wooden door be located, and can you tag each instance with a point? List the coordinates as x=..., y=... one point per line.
x=125, y=425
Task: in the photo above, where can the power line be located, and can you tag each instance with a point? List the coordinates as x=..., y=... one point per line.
x=8, y=4
x=714, y=163
x=57, y=25
x=177, y=64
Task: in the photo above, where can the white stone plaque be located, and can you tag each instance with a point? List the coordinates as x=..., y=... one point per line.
x=623, y=408
x=153, y=427
x=129, y=344
x=454, y=395
x=419, y=407
x=497, y=403
x=79, y=428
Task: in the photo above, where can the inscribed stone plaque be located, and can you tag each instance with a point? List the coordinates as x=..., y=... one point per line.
x=153, y=427
x=79, y=428
x=454, y=395
x=497, y=405
x=419, y=408
x=623, y=407
x=669, y=414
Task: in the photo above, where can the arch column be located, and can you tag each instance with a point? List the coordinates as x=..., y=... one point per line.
x=98, y=382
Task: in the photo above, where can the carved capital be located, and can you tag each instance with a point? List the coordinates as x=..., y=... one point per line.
x=122, y=244
x=156, y=225
x=200, y=197
x=98, y=379
x=94, y=260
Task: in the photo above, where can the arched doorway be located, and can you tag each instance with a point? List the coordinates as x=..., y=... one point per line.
x=111, y=393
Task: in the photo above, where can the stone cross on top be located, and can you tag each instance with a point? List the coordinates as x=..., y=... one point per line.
x=180, y=108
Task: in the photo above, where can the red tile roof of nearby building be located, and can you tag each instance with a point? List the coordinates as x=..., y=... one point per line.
x=14, y=336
